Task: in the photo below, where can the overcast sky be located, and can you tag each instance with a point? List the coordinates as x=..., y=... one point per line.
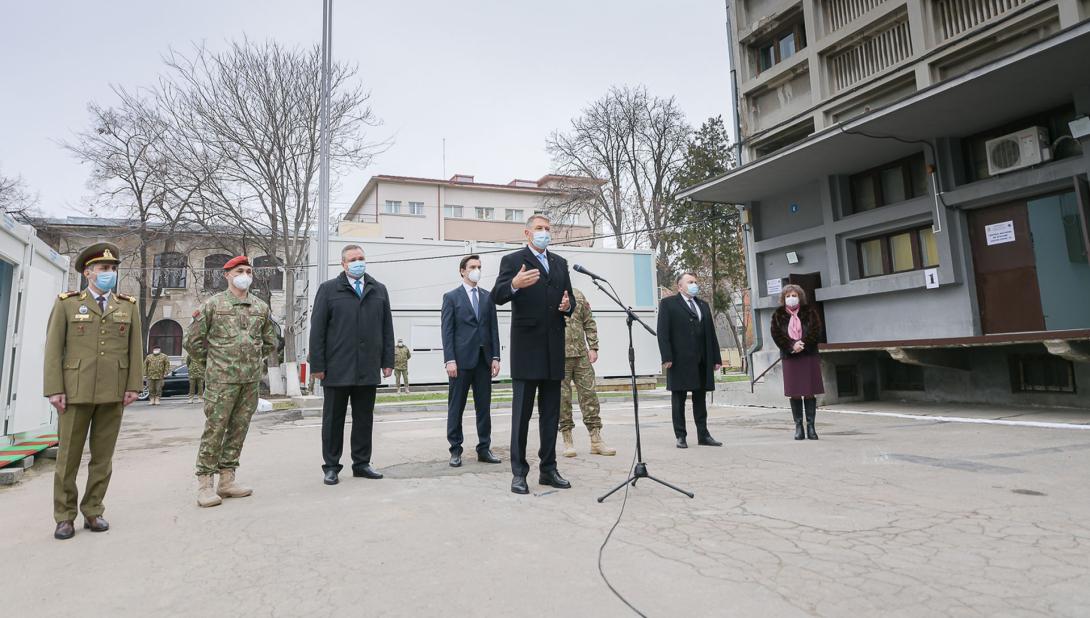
x=493, y=77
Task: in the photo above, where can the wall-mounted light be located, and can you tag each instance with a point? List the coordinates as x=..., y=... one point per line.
x=792, y=257
x=1080, y=127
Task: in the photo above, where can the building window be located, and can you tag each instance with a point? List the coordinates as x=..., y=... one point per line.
x=169, y=271
x=512, y=214
x=214, y=281
x=780, y=45
x=1041, y=373
x=416, y=208
x=898, y=252
x=487, y=214
x=452, y=211
x=167, y=336
x=568, y=218
x=897, y=376
x=267, y=273
x=847, y=381
x=895, y=182
x=393, y=207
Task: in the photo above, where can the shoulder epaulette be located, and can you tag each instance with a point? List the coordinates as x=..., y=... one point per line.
x=131, y=299
x=64, y=295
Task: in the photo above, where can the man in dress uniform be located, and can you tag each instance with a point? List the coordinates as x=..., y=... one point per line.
x=156, y=368
x=92, y=371
x=232, y=337
x=580, y=354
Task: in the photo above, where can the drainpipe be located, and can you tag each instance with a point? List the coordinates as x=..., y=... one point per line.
x=734, y=86
x=751, y=268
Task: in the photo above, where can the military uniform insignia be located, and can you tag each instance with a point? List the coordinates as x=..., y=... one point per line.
x=65, y=295
x=83, y=309
x=107, y=255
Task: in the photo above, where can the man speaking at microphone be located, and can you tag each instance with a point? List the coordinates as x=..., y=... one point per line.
x=535, y=282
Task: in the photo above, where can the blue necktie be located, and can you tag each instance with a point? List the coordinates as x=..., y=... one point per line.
x=476, y=306
x=359, y=288
x=544, y=262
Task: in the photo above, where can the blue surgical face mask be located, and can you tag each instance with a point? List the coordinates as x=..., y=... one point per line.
x=357, y=268
x=106, y=280
x=693, y=289
x=541, y=239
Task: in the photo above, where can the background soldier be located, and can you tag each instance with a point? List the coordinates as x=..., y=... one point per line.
x=580, y=332
x=92, y=371
x=195, y=367
x=232, y=337
x=402, y=354
x=156, y=367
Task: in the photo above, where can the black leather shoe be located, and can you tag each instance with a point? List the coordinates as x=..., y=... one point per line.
x=799, y=433
x=488, y=457
x=681, y=443
x=331, y=477
x=708, y=440
x=367, y=472
x=65, y=530
x=456, y=460
x=553, y=479
x=518, y=485
x=96, y=523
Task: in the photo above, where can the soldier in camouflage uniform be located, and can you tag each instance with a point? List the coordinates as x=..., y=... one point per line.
x=581, y=332
x=232, y=337
x=402, y=354
x=156, y=368
x=195, y=367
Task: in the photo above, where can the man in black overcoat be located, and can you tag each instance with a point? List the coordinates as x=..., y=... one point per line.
x=351, y=350
x=690, y=356
x=535, y=281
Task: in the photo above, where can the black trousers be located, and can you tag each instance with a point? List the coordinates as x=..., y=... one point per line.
x=480, y=380
x=363, y=416
x=548, y=422
x=700, y=412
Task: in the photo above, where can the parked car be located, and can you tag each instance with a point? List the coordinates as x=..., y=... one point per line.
x=175, y=383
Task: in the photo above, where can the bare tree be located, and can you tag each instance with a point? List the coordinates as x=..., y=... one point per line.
x=248, y=118
x=15, y=199
x=635, y=144
x=129, y=171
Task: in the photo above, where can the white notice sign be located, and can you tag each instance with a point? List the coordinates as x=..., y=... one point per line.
x=999, y=233
x=775, y=286
x=931, y=278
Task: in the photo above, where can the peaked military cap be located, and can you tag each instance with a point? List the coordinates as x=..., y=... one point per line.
x=98, y=253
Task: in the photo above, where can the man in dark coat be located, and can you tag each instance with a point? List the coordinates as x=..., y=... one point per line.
x=351, y=342
x=690, y=356
x=471, y=353
x=535, y=281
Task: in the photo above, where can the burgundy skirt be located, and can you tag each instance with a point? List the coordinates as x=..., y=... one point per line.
x=802, y=375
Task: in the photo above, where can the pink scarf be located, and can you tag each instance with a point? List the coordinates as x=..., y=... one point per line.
x=794, y=327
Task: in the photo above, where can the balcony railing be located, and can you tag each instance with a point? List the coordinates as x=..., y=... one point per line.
x=955, y=17
x=839, y=13
x=872, y=55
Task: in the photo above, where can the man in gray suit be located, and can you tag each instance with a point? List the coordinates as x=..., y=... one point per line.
x=471, y=351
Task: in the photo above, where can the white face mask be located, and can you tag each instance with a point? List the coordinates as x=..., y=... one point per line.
x=243, y=282
x=791, y=301
x=156, y=351
x=474, y=275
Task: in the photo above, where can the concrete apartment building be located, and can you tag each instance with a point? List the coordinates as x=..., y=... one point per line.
x=186, y=267
x=920, y=167
x=407, y=208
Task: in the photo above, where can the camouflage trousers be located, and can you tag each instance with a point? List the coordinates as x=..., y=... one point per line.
x=227, y=410
x=579, y=371
x=196, y=386
x=401, y=376
x=155, y=387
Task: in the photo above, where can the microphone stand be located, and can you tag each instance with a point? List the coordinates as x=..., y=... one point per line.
x=640, y=471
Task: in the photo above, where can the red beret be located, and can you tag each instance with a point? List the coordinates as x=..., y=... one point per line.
x=239, y=260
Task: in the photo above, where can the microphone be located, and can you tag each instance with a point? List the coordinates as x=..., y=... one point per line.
x=579, y=269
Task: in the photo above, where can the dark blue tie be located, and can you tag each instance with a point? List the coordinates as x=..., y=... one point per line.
x=476, y=306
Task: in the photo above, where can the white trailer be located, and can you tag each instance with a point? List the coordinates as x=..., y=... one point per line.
x=31, y=276
x=418, y=273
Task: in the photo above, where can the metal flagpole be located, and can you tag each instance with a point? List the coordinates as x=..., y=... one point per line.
x=323, y=148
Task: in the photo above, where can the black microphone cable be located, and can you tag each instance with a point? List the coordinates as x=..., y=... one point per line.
x=602, y=548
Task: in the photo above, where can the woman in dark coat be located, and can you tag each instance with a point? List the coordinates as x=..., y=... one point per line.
x=796, y=329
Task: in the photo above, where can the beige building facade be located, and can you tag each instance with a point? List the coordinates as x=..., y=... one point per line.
x=185, y=268
x=408, y=208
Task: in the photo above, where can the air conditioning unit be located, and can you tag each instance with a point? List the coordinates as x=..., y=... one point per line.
x=1015, y=151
